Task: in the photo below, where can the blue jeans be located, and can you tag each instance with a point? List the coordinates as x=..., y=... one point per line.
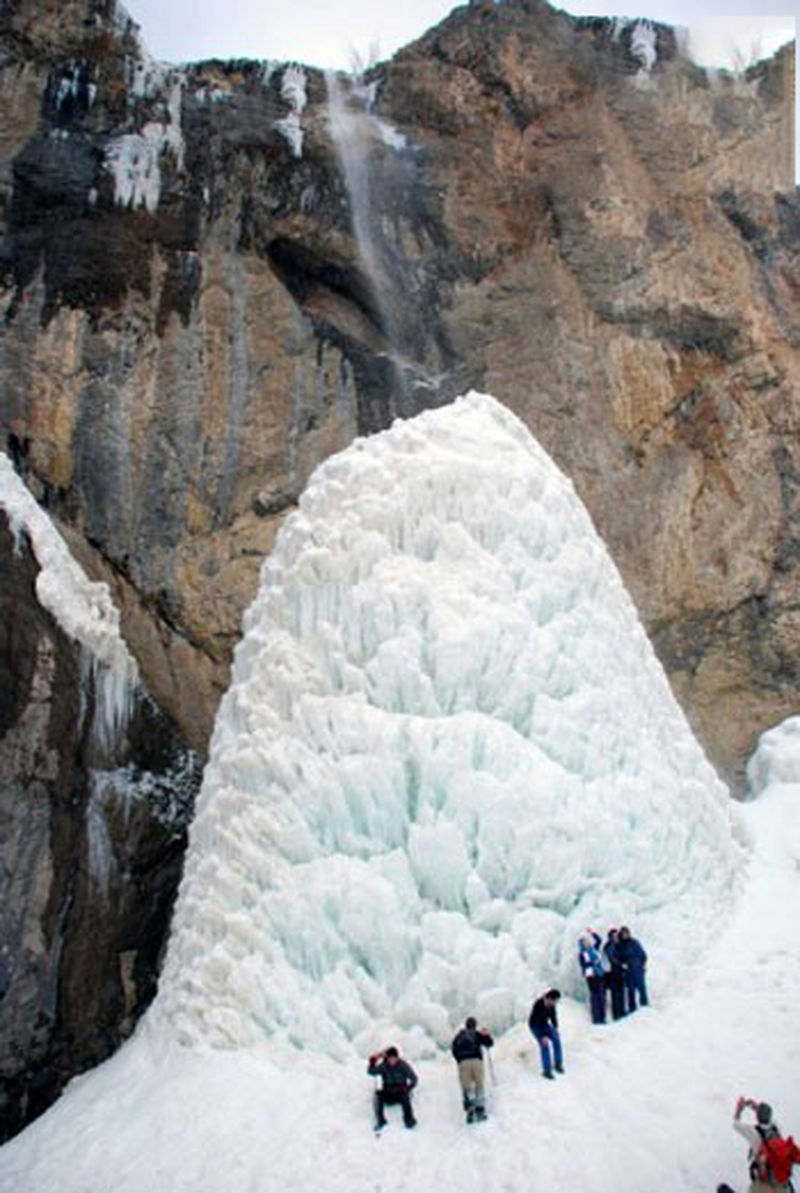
x=550, y=1047
x=635, y=985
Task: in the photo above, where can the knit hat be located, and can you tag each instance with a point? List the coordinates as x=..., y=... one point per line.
x=764, y=1113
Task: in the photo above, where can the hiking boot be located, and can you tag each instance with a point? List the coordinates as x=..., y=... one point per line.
x=548, y=1076
x=410, y=1122
x=559, y=1068
x=480, y=1114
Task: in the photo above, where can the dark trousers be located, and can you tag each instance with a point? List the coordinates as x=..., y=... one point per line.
x=597, y=998
x=635, y=985
x=615, y=984
x=393, y=1097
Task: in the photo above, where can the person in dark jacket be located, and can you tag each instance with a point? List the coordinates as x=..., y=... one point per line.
x=591, y=963
x=543, y=1022
x=397, y=1080
x=615, y=977
x=467, y=1048
x=633, y=960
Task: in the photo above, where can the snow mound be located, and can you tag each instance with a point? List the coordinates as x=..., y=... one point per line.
x=776, y=759
x=447, y=748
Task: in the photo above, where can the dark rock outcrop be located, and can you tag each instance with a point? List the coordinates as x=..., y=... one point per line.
x=91, y=839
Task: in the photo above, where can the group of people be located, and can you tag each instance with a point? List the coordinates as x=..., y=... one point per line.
x=396, y=1078
x=770, y=1157
x=616, y=968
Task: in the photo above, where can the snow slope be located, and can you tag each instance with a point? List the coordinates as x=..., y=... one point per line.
x=645, y=1103
x=434, y=580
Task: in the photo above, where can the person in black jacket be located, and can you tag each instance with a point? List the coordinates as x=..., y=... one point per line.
x=615, y=976
x=397, y=1080
x=467, y=1048
x=543, y=1022
x=633, y=959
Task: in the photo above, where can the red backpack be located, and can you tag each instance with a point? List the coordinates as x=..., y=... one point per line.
x=775, y=1159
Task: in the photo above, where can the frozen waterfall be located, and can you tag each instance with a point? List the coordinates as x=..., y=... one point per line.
x=447, y=748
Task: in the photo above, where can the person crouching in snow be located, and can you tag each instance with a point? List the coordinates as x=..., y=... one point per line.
x=593, y=970
x=397, y=1080
x=543, y=1022
x=467, y=1048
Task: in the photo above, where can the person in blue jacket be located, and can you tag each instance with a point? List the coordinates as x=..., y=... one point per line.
x=633, y=960
x=543, y=1022
x=593, y=970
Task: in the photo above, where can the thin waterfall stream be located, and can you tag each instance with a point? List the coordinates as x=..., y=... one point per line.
x=356, y=135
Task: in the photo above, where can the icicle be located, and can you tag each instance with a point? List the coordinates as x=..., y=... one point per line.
x=111, y=691
x=102, y=862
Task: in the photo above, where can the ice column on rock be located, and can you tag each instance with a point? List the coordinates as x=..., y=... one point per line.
x=447, y=747
x=82, y=607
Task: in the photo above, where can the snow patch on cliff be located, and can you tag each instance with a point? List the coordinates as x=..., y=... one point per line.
x=293, y=91
x=134, y=159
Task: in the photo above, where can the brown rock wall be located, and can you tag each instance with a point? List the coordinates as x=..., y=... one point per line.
x=611, y=252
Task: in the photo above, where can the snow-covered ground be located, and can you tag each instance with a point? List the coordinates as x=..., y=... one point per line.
x=446, y=749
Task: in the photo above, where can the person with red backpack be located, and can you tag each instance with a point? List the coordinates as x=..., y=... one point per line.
x=770, y=1157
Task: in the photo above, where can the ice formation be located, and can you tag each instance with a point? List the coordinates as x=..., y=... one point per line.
x=447, y=747
x=776, y=760
x=82, y=607
x=134, y=159
x=293, y=91
x=643, y=45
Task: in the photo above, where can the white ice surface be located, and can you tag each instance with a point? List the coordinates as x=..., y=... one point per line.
x=447, y=747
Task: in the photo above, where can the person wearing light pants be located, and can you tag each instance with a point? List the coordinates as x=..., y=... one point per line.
x=467, y=1048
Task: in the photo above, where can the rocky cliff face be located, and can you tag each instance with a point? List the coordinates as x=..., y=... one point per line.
x=93, y=831
x=211, y=278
